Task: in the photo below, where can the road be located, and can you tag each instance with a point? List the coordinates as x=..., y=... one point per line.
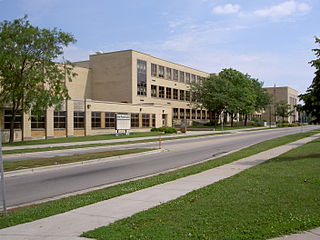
x=28, y=188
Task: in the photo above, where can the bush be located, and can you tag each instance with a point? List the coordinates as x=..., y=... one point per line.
x=164, y=129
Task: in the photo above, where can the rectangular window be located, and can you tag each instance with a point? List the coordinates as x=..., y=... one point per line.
x=78, y=119
x=181, y=76
x=187, y=95
x=175, y=113
x=193, y=114
x=193, y=78
x=141, y=77
x=161, y=71
x=168, y=73
x=181, y=113
x=153, y=91
x=175, y=94
x=198, y=114
x=60, y=119
x=153, y=120
x=153, y=70
x=168, y=93
x=134, y=120
x=145, y=120
x=38, y=122
x=187, y=77
x=175, y=75
x=161, y=92
x=187, y=113
x=181, y=95
x=110, y=120
x=96, y=119
x=198, y=80
x=203, y=114
x=7, y=119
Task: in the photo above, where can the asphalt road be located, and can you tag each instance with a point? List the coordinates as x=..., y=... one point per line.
x=28, y=188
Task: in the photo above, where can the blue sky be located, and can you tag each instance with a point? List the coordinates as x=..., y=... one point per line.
x=269, y=39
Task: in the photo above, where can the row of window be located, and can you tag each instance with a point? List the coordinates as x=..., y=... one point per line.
x=174, y=75
x=170, y=93
x=60, y=120
x=181, y=113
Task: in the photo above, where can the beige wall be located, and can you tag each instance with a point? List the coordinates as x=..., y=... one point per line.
x=80, y=87
x=111, y=76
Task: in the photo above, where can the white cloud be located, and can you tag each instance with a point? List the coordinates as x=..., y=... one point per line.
x=283, y=9
x=226, y=9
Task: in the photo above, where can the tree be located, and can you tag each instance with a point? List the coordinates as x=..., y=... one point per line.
x=283, y=109
x=212, y=95
x=311, y=98
x=29, y=77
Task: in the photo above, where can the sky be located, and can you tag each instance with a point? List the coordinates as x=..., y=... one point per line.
x=271, y=40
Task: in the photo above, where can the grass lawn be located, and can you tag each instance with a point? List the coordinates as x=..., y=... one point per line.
x=278, y=197
x=31, y=213
x=83, y=138
x=40, y=162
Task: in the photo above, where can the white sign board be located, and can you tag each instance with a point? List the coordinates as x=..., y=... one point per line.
x=123, y=121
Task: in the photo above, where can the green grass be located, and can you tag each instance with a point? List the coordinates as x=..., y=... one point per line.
x=31, y=213
x=30, y=150
x=41, y=162
x=82, y=139
x=218, y=128
x=278, y=197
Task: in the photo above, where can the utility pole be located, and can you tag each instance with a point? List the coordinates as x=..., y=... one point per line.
x=5, y=213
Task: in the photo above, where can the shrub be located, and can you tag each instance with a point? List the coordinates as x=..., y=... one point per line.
x=164, y=129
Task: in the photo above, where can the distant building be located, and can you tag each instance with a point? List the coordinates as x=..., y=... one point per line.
x=286, y=94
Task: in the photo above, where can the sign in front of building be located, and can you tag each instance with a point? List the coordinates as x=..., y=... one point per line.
x=123, y=121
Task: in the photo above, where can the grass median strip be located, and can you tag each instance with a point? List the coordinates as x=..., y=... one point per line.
x=41, y=162
x=31, y=213
x=31, y=150
x=278, y=197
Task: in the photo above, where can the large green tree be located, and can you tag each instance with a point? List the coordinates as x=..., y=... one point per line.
x=311, y=98
x=29, y=76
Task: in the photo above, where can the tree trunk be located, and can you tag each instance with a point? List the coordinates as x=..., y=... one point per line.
x=231, y=119
x=245, y=119
x=11, y=136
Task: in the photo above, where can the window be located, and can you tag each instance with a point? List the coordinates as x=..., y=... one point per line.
x=181, y=113
x=168, y=73
x=203, y=114
x=187, y=113
x=198, y=80
x=141, y=77
x=175, y=94
x=60, y=119
x=38, y=122
x=193, y=114
x=153, y=120
x=134, y=120
x=187, y=95
x=153, y=70
x=110, y=120
x=161, y=71
x=181, y=76
x=198, y=114
x=187, y=77
x=175, y=75
x=193, y=78
x=7, y=119
x=96, y=119
x=161, y=92
x=168, y=93
x=78, y=119
x=153, y=91
x=145, y=120
x=181, y=95
x=175, y=113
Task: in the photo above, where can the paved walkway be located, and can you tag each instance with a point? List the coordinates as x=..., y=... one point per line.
x=72, y=224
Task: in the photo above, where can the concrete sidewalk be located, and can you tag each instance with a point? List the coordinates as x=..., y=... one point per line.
x=72, y=224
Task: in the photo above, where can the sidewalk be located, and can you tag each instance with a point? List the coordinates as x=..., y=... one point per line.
x=72, y=224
